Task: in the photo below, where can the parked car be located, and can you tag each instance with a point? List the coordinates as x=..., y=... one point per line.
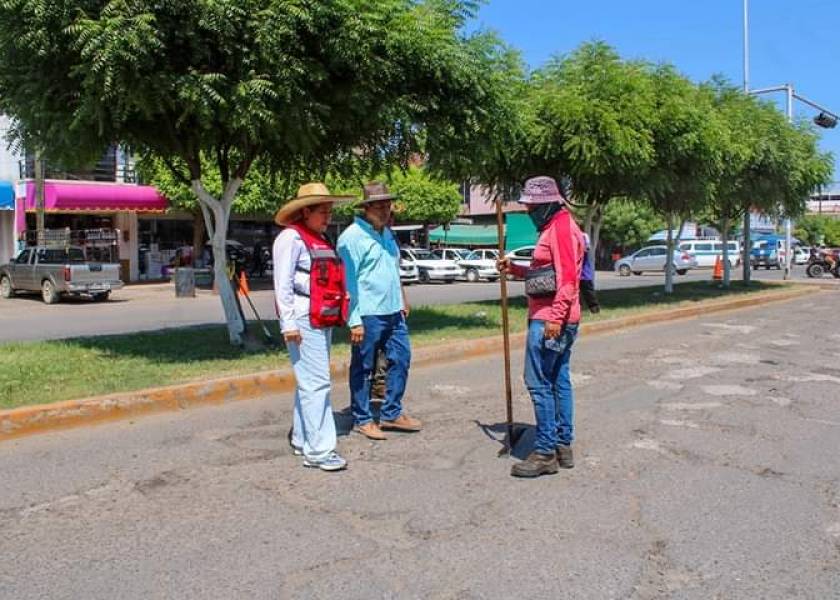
x=453, y=254
x=56, y=272
x=707, y=251
x=480, y=264
x=429, y=267
x=652, y=258
x=801, y=254
x=521, y=257
x=409, y=273
x=768, y=252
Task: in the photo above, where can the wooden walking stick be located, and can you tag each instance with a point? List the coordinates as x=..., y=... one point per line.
x=510, y=438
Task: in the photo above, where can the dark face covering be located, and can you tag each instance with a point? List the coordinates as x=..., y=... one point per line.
x=542, y=214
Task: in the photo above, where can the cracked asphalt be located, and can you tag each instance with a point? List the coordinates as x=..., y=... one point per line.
x=707, y=467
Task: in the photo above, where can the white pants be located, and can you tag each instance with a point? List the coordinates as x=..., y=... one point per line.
x=313, y=422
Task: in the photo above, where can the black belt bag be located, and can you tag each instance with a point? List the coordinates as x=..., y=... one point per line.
x=541, y=282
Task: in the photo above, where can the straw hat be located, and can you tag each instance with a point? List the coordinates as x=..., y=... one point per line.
x=308, y=194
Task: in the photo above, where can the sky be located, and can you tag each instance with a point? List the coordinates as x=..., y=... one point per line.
x=790, y=42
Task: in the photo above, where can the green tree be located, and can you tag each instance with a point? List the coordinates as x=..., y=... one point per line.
x=593, y=114
x=423, y=199
x=261, y=192
x=629, y=224
x=294, y=86
x=687, y=140
x=768, y=164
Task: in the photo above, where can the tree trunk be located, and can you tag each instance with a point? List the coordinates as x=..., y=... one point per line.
x=669, y=258
x=746, y=247
x=216, y=215
x=199, y=231
x=594, y=240
x=724, y=237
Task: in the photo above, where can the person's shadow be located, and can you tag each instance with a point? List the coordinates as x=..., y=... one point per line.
x=523, y=437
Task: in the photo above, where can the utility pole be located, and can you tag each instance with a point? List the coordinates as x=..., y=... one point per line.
x=788, y=225
x=747, y=217
x=40, y=228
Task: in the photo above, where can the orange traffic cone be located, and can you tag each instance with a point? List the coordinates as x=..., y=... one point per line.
x=244, y=290
x=718, y=273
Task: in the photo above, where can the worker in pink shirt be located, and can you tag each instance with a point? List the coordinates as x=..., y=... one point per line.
x=552, y=284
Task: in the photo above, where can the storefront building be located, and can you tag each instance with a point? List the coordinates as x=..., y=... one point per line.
x=7, y=217
x=100, y=216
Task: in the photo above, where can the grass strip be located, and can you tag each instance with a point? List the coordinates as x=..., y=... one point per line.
x=51, y=371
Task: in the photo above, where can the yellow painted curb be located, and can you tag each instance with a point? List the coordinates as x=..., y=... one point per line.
x=29, y=420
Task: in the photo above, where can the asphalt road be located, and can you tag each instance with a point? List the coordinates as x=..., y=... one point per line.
x=706, y=468
x=151, y=307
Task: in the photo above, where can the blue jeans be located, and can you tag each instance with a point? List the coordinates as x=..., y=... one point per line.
x=390, y=333
x=548, y=379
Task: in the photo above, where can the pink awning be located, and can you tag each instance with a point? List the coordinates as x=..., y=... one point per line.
x=92, y=196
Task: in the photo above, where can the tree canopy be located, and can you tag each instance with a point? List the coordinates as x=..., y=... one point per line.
x=227, y=83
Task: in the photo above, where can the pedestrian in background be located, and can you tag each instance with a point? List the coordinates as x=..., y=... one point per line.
x=552, y=284
x=310, y=294
x=378, y=311
x=587, y=281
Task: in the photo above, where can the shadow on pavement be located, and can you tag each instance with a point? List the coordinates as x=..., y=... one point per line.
x=523, y=434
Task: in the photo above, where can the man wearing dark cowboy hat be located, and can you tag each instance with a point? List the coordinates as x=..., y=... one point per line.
x=378, y=310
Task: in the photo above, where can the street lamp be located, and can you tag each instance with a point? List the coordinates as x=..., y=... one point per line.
x=826, y=119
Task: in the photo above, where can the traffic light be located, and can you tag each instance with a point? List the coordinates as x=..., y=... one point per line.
x=825, y=120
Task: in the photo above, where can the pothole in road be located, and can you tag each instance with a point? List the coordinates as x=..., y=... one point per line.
x=449, y=391
x=691, y=372
x=735, y=358
x=731, y=328
x=728, y=390
x=670, y=386
x=691, y=406
x=679, y=423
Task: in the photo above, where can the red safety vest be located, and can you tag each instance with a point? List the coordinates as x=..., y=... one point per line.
x=329, y=302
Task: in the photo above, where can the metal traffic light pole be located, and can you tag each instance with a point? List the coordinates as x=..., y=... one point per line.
x=826, y=119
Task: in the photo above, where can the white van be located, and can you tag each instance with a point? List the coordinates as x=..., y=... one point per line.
x=707, y=251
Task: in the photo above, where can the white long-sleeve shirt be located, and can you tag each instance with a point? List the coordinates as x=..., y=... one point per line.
x=290, y=254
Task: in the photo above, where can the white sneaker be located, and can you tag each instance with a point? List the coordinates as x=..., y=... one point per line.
x=331, y=462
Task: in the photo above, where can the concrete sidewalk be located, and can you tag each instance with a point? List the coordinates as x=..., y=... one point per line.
x=706, y=469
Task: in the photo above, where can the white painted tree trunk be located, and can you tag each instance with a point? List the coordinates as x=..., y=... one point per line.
x=592, y=222
x=669, y=258
x=216, y=217
x=724, y=238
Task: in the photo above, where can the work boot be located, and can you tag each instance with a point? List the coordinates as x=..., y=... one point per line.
x=565, y=457
x=402, y=423
x=371, y=431
x=535, y=465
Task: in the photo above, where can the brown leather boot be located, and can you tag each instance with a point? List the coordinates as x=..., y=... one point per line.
x=371, y=431
x=535, y=465
x=565, y=457
x=402, y=423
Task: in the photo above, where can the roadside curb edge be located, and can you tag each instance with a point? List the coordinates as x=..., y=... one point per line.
x=30, y=420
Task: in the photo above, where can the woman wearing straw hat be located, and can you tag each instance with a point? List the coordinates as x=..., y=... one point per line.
x=311, y=299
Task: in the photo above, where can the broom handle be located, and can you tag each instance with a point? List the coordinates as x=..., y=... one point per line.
x=505, y=323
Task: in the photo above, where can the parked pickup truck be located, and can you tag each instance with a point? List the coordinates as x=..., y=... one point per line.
x=56, y=272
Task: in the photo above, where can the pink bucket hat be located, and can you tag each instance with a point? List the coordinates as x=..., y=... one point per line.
x=541, y=190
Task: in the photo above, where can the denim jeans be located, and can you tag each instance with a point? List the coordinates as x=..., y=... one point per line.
x=390, y=333
x=548, y=379
x=313, y=425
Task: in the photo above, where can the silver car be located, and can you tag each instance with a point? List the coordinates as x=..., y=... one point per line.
x=652, y=258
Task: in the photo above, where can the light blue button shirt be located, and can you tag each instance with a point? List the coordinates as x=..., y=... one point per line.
x=371, y=263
